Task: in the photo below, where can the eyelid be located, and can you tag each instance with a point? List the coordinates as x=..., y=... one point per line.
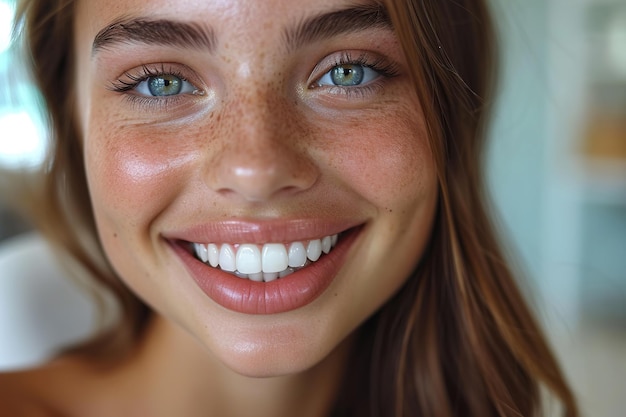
x=383, y=66
x=386, y=69
x=131, y=79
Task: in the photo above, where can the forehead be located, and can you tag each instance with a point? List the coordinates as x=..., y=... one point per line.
x=244, y=16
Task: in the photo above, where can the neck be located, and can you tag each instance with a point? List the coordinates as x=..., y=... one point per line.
x=191, y=382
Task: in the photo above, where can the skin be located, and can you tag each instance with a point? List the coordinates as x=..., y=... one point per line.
x=262, y=142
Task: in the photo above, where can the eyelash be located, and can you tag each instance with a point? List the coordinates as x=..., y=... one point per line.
x=383, y=67
x=380, y=65
x=146, y=72
x=132, y=79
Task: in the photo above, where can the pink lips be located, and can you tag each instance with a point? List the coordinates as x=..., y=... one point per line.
x=250, y=297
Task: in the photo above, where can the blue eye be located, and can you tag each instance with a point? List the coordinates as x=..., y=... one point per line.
x=164, y=85
x=348, y=75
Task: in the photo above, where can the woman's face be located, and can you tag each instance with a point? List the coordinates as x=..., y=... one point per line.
x=277, y=140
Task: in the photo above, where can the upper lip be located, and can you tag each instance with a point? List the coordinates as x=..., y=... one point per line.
x=265, y=231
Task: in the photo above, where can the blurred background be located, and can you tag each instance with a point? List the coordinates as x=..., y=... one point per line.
x=557, y=169
x=556, y=166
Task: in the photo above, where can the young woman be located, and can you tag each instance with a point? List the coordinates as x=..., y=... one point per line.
x=284, y=197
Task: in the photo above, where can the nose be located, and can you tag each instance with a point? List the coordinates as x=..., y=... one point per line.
x=262, y=153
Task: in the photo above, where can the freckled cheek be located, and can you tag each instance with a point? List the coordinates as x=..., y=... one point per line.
x=390, y=165
x=133, y=172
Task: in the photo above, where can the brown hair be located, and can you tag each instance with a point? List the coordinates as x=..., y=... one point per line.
x=458, y=339
x=57, y=198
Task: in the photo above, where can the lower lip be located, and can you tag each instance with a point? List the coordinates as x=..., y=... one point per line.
x=284, y=294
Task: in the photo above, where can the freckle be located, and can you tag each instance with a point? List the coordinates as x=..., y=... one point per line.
x=115, y=235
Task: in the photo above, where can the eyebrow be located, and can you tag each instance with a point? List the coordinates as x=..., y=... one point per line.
x=155, y=32
x=196, y=36
x=327, y=25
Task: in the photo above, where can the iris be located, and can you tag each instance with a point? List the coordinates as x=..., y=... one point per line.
x=165, y=85
x=347, y=75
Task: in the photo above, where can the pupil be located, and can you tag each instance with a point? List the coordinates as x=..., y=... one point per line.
x=347, y=75
x=164, y=85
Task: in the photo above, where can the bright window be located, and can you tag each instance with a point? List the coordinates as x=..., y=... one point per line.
x=22, y=141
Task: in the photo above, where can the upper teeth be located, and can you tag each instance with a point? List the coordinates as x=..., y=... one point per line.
x=266, y=262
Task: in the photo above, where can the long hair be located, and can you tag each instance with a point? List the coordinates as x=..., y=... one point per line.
x=458, y=338
x=56, y=199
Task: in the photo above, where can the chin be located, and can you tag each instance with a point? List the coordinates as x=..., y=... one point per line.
x=254, y=361
x=277, y=352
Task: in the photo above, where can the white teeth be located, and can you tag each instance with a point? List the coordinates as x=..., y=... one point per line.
x=214, y=255
x=202, y=252
x=264, y=263
x=297, y=255
x=248, y=259
x=258, y=277
x=227, y=258
x=326, y=244
x=314, y=250
x=269, y=277
x=274, y=257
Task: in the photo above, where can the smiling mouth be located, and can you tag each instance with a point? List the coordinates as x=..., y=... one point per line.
x=266, y=262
